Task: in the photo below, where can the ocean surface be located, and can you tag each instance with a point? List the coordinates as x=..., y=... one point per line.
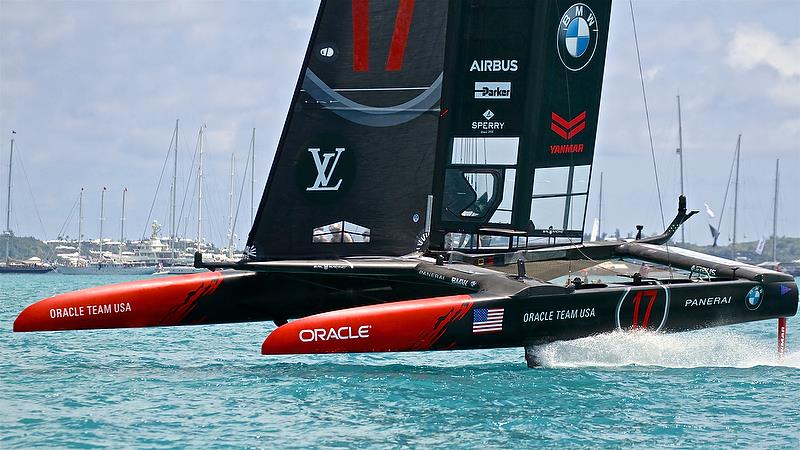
x=208, y=386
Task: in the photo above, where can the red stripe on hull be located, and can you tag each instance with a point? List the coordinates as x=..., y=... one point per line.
x=400, y=326
x=144, y=303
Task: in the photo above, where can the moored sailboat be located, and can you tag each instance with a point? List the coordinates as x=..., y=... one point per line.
x=105, y=264
x=8, y=265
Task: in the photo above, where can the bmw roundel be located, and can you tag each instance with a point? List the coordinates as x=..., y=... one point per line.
x=577, y=36
x=754, y=297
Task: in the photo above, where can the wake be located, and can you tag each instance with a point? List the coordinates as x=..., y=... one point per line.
x=704, y=348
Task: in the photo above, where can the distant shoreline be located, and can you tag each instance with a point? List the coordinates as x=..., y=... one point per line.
x=788, y=249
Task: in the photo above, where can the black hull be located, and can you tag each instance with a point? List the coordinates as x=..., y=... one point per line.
x=535, y=315
x=412, y=305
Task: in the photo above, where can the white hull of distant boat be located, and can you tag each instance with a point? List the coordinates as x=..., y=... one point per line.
x=107, y=269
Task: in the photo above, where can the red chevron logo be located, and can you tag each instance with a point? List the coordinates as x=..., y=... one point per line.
x=568, y=129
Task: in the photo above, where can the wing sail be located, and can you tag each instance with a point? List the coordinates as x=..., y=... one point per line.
x=354, y=165
x=515, y=150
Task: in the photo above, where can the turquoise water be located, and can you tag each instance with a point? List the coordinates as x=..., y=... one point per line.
x=208, y=386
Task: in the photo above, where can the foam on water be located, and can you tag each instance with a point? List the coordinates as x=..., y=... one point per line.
x=704, y=348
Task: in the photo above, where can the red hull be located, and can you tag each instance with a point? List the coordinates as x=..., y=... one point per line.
x=144, y=303
x=402, y=326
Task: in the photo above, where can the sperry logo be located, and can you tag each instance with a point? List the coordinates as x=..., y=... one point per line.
x=325, y=165
x=488, y=126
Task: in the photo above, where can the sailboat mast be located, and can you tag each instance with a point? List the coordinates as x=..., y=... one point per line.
x=775, y=214
x=8, y=197
x=230, y=207
x=102, y=218
x=600, y=206
x=736, y=194
x=680, y=157
x=122, y=222
x=174, y=193
x=200, y=192
x=80, y=223
x=252, y=173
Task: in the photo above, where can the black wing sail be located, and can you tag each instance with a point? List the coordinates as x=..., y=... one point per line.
x=354, y=165
x=522, y=91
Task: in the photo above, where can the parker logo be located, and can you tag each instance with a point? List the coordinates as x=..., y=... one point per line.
x=336, y=334
x=567, y=129
x=494, y=65
x=495, y=90
x=325, y=165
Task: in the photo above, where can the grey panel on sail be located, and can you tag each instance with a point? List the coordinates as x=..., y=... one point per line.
x=370, y=116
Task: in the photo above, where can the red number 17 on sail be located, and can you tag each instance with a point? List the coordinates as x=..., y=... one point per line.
x=402, y=24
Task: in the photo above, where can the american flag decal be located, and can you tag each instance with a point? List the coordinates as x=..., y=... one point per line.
x=487, y=320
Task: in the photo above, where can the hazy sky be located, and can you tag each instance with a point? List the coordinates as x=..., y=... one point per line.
x=93, y=90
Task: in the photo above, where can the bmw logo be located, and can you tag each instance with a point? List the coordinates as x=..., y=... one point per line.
x=577, y=36
x=754, y=297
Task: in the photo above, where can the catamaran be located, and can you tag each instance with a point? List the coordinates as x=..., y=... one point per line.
x=431, y=176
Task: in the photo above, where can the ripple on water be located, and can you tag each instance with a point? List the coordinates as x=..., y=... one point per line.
x=204, y=386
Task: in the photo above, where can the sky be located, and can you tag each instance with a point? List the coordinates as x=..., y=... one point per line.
x=93, y=90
